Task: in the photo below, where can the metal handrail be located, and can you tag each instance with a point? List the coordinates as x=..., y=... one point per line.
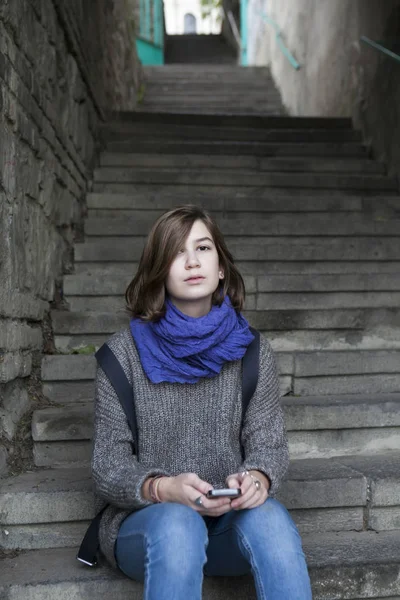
x=381, y=48
x=234, y=27
x=280, y=41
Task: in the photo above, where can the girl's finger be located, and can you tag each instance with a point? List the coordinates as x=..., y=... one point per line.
x=254, y=501
x=249, y=491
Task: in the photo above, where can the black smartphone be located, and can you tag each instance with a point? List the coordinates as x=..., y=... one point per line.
x=224, y=493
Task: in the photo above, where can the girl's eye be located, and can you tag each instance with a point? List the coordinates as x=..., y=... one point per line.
x=202, y=248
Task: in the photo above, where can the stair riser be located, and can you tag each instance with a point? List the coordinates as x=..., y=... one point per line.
x=352, y=583
x=92, y=285
x=255, y=201
x=67, y=535
x=319, y=444
x=259, y=249
x=33, y=537
x=245, y=148
x=350, y=384
x=263, y=320
x=81, y=369
x=304, y=224
x=171, y=132
x=123, y=120
x=281, y=340
x=255, y=269
x=114, y=177
x=240, y=162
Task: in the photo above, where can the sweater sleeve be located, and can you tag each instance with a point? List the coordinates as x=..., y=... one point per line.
x=117, y=474
x=264, y=435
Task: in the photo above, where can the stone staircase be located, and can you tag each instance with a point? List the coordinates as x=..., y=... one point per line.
x=313, y=222
x=190, y=88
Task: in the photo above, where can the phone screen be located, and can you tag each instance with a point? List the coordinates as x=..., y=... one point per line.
x=224, y=493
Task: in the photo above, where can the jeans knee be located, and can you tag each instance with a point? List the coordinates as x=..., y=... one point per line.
x=272, y=524
x=181, y=539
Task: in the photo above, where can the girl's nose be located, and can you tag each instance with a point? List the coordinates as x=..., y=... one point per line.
x=192, y=260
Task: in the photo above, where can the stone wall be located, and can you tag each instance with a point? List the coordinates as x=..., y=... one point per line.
x=338, y=75
x=62, y=66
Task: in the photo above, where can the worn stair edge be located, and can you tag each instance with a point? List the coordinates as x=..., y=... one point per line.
x=72, y=367
x=348, y=481
x=301, y=414
x=284, y=122
x=342, y=566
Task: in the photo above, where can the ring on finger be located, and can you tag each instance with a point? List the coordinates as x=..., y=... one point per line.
x=256, y=482
x=199, y=501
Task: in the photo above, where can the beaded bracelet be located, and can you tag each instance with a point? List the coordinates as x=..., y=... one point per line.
x=156, y=489
x=152, y=493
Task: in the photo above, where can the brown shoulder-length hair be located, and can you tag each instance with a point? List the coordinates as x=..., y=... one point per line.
x=145, y=295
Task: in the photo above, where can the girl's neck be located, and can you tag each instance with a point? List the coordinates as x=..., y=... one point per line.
x=193, y=309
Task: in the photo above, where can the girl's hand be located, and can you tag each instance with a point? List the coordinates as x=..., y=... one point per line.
x=188, y=487
x=251, y=497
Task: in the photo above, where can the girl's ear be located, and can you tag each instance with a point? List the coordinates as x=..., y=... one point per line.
x=221, y=274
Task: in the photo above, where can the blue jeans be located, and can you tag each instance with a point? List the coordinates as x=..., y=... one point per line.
x=169, y=546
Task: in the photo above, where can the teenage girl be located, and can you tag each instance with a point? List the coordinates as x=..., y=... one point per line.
x=182, y=354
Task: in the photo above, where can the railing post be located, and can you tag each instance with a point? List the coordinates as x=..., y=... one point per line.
x=243, y=31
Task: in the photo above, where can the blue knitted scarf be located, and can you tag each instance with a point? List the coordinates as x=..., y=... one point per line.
x=182, y=349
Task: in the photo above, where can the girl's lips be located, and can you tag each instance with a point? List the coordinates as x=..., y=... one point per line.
x=194, y=279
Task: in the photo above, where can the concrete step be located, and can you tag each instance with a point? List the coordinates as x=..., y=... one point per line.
x=260, y=224
x=236, y=194
x=230, y=120
x=239, y=132
x=366, y=363
x=255, y=200
x=380, y=336
x=256, y=107
x=318, y=427
x=257, y=248
x=94, y=285
x=69, y=392
x=351, y=565
x=187, y=147
x=90, y=319
x=292, y=164
x=323, y=495
x=116, y=176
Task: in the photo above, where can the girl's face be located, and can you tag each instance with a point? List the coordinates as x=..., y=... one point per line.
x=195, y=273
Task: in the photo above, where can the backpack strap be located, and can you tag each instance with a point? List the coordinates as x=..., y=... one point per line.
x=107, y=360
x=250, y=371
x=115, y=373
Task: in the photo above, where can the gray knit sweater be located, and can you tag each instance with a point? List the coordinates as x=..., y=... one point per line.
x=181, y=428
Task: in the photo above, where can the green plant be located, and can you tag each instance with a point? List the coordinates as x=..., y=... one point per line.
x=140, y=93
x=207, y=6
x=89, y=349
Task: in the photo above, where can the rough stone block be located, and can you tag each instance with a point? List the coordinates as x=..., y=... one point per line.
x=15, y=335
x=319, y=483
x=14, y=304
x=69, y=392
x=3, y=461
x=328, y=519
x=56, y=424
x=62, y=454
x=67, y=368
x=15, y=364
x=342, y=363
x=42, y=535
x=384, y=518
x=14, y=402
x=341, y=442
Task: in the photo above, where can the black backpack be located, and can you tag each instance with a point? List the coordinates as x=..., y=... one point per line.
x=112, y=368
